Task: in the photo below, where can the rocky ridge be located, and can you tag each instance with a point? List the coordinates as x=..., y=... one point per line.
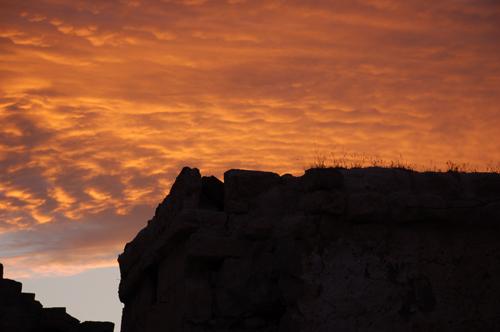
x=370, y=249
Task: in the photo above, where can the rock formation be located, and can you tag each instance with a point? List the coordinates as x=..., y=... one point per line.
x=20, y=312
x=369, y=249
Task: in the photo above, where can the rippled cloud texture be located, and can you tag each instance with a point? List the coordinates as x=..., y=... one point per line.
x=103, y=102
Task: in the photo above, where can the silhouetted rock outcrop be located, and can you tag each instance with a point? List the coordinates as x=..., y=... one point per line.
x=20, y=312
x=333, y=250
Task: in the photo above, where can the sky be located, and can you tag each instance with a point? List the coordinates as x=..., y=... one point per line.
x=102, y=102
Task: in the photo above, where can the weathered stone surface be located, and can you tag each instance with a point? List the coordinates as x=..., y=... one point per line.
x=272, y=202
x=259, y=228
x=402, y=207
x=212, y=194
x=291, y=288
x=199, y=298
x=323, y=201
x=405, y=281
x=431, y=207
x=151, y=243
x=210, y=246
x=366, y=208
x=189, y=221
x=322, y=179
x=296, y=227
x=334, y=250
x=445, y=185
x=481, y=185
x=241, y=187
x=186, y=190
x=381, y=180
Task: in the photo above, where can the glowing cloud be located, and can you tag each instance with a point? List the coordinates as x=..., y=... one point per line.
x=103, y=102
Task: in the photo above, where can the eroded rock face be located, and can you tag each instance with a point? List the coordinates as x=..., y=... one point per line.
x=334, y=250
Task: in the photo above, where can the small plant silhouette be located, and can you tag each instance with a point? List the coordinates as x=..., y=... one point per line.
x=493, y=168
x=320, y=159
x=399, y=164
x=464, y=167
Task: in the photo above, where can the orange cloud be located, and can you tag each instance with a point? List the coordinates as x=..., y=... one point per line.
x=103, y=102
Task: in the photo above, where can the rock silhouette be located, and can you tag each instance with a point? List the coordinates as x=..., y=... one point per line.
x=20, y=312
x=369, y=249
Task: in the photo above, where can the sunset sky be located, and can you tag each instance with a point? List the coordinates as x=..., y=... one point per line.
x=103, y=102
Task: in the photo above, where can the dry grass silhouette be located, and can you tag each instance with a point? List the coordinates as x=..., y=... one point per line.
x=346, y=160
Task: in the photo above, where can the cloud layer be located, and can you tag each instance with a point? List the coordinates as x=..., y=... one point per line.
x=103, y=102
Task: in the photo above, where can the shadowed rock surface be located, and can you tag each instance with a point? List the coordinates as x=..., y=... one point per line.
x=20, y=312
x=369, y=249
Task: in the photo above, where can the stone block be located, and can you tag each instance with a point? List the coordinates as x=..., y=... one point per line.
x=238, y=206
x=287, y=258
x=96, y=327
x=243, y=183
x=330, y=227
x=171, y=274
x=431, y=207
x=186, y=190
x=377, y=179
x=212, y=193
x=189, y=221
x=241, y=187
x=403, y=207
x=296, y=227
x=354, y=180
x=254, y=323
x=323, y=201
x=231, y=294
x=271, y=202
x=260, y=228
x=205, y=246
x=290, y=288
x=483, y=185
x=10, y=291
x=290, y=182
x=262, y=295
x=322, y=179
x=156, y=320
x=27, y=297
x=445, y=185
x=198, y=302
x=366, y=208
x=133, y=251
x=291, y=321
x=56, y=319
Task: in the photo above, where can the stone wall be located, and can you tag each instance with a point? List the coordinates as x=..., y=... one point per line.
x=20, y=312
x=369, y=249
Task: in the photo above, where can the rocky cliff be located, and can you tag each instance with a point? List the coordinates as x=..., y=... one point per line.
x=20, y=312
x=369, y=249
